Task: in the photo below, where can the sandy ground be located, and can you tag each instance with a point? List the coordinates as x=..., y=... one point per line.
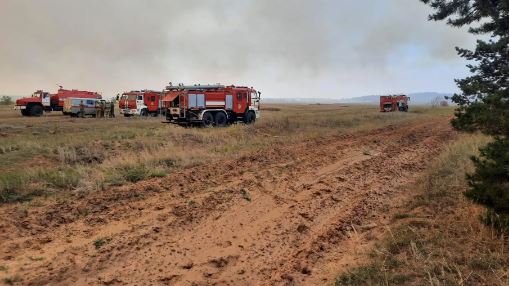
x=292, y=215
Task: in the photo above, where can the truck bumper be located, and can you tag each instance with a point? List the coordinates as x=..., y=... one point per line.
x=19, y=107
x=129, y=111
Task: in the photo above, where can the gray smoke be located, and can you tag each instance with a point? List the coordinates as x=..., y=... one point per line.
x=286, y=48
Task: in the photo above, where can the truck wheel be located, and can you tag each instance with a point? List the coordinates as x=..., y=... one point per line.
x=144, y=112
x=36, y=110
x=208, y=119
x=250, y=117
x=220, y=119
x=24, y=112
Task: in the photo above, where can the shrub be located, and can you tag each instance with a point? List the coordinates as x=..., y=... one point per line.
x=62, y=178
x=13, y=187
x=490, y=182
x=6, y=100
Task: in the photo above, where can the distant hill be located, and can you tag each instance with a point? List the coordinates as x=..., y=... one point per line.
x=418, y=98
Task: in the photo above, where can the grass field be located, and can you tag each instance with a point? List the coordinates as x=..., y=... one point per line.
x=49, y=155
x=437, y=237
x=309, y=195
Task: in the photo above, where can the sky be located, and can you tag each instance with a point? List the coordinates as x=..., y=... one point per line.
x=284, y=48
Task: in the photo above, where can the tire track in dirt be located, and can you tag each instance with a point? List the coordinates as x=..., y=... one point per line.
x=282, y=216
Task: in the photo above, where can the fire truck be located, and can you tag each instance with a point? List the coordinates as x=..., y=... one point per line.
x=389, y=103
x=211, y=105
x=41, y=101
x=143, y=103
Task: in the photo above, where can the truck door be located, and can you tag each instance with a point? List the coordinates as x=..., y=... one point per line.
x=45, y=99
x=241, y=102
x=152, y=103
x=139, y=102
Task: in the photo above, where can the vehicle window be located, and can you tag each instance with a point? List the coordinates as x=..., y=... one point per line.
x=153, y=98
x=244, y=95
x=90, y=102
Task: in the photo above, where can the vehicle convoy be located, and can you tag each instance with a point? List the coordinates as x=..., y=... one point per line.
x=72, y=106
x=211, y=105
x=41, y=101
x=389, y=103
x=143, y=103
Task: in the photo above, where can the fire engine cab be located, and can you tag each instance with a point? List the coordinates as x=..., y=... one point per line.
x=143, y=103
x=390, y=103
x=211, y=105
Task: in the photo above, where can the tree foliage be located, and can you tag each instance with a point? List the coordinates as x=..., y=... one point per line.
x=6, y=100
x=483, y=104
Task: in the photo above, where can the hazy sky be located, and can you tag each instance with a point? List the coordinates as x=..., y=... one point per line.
x=285, y=48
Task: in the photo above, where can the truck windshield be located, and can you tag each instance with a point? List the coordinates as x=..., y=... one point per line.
x=128, y=97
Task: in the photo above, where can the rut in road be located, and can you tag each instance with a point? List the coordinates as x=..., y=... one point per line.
x=280, y=216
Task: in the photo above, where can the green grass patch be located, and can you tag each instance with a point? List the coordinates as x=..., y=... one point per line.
x=19, y=187
x=12, y=280
x=364, y=275
x=245, y=195
x=36, y=258
x=100, y=242
x=402, y=216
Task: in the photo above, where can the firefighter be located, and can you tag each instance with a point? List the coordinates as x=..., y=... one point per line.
x=82, y=109
x=107, y=109
x=112, y=109
x=97, y=109
x=103, y=108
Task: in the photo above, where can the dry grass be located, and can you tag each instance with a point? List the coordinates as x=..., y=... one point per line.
x=439, y=238
x=48, y=155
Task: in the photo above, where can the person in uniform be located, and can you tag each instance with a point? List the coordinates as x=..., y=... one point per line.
x=82, y=109
x=97, y=108
x=103, y=107
x=112, y=109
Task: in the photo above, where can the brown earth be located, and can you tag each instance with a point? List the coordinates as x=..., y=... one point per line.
x=292, y=215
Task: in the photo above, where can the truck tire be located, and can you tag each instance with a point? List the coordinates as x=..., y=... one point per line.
x=144, y=113
x=250, y=117
x=208, y=119
x=220, y=119
x=36, y=110
x=25, y=112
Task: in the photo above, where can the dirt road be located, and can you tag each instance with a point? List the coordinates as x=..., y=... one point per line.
x=292, y=215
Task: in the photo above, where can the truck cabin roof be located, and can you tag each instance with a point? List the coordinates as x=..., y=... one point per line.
x=199, y=87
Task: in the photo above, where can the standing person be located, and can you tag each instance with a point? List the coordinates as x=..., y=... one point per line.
x=107, y=108
x=103, y=108
x=112, y=108
x=82, y=109
x=97, y=108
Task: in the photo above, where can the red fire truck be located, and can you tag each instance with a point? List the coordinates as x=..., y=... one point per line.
x=211, y=105
x=143, y=103
x=389, y=103
x=44, y=101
